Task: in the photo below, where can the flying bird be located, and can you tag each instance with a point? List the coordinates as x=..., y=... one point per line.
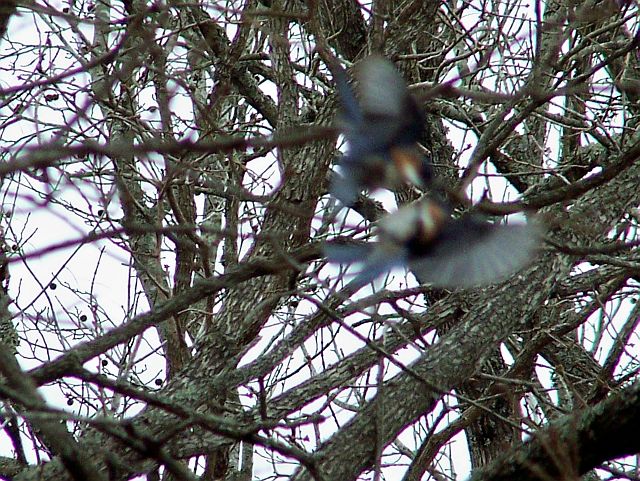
x=440, y=250
x=381, y=125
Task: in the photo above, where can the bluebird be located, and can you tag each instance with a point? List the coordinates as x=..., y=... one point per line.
x=381, y=126
x=439, y=249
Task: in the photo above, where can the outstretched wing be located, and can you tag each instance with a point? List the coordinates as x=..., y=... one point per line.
x=351, y=111
x=381, y=125
x=369, y=124
x=472, y=253
x=376, y=259
x=383, y=91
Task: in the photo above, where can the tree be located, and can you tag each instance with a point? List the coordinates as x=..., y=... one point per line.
x=165, y=201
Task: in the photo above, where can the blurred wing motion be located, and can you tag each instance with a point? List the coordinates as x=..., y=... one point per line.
x=351, y=112
x=384, y=95
x=440, y=250
x=381, y=126
x=376, y=258
x=471, y=253
x=347, y=184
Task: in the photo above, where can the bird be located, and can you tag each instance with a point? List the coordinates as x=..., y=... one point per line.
x=440, y=250
x=381, y=126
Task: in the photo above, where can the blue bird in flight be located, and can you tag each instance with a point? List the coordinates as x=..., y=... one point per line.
x=382, y=125
x=440, y=250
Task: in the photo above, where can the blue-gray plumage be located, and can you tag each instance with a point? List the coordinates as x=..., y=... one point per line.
x=439, y=249
x=381, y=126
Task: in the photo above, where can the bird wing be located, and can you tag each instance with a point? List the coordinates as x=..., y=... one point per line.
x=347, y=252
x=471, y=253
x=376, y=258
x=373, y=119
x=351, y=111
x=346, y=185
x=383, y=91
